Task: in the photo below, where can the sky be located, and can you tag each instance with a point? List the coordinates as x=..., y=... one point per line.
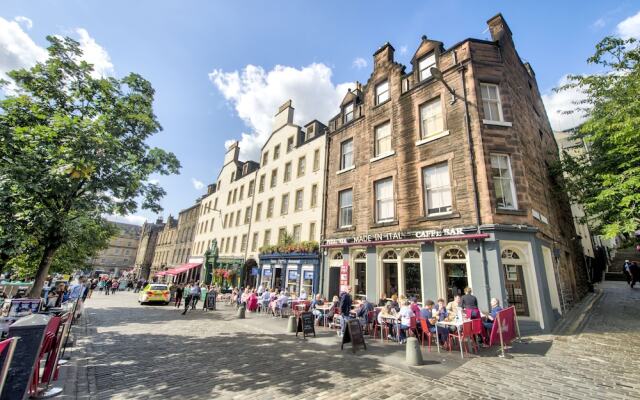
x=221, y=68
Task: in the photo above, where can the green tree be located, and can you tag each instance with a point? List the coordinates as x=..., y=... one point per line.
x=606, y=178
x=73, y=146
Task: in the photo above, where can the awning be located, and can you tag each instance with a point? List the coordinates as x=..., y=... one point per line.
x=182, y=268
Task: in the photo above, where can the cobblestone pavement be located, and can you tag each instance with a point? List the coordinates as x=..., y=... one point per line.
x=140, y=352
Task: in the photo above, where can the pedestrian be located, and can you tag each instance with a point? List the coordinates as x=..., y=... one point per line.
x=187, y=299
x=626, y=267
x=203, y=296
x=92, y=287
x=634, y=271
x=114, y=286
x=470, y=304
x=195, y=295
x=107, y=286
x=345, y=309
x=178, y=295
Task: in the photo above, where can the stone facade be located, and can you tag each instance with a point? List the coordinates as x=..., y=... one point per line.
x=165, y=245
x=121, y=253
x=462, y=195
x=147, y=247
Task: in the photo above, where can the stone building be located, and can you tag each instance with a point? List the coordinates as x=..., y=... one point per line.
x=121, y=253
x=252, y=205
x=146, y=248
x=164, y=253
x=438, y=179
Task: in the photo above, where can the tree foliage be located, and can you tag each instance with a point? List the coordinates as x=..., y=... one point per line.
x=73, y=148
x=606, y=178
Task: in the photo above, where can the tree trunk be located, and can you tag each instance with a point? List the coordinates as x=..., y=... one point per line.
x=43, y=270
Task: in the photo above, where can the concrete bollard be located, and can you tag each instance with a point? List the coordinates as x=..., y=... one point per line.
x=291, y=327
x=413, y=352
x=240, y=313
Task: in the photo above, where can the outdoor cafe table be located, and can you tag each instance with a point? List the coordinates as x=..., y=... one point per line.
x=324, y=310
x=391, y=321
x=447, y=324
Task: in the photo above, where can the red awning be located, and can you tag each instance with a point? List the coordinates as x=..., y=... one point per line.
x=182, y=268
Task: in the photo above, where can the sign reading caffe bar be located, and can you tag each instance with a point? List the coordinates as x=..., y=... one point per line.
x=393, y=236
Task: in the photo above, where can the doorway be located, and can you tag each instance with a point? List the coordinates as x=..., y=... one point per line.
x=334, y=282
x=512, y=264
x=277, y=278
x=456, y=275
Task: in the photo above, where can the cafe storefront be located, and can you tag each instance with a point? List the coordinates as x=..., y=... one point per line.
x=515, y=267
x=291, y=272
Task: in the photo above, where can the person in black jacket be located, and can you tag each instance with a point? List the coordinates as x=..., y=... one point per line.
x=470, y=302
x=345, y=309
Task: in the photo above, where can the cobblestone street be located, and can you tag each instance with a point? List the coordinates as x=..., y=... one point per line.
x=135, y=351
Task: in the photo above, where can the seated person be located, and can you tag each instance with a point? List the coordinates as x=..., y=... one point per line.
x=394, y=302
x=317, y=301
x=384, y=316
x=363, y=310
x=440, y=312
x=495, y=308
x=427, y=311
x=404, y=316
x=415, y=307
x=453, y=306
x=303, y=295
x=383, y=300
x=265, y=299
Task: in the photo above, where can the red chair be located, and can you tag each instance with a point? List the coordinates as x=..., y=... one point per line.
x=426, y=332
x=413, y=326
x=371, y=318
x=466, y=334
x=477, y=329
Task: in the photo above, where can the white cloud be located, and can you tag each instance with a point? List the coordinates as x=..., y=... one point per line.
x=359, y=63
x=630, y=27
x=599, y=23
x=94, y=54
x=256, y=95
x=558, y=102
x=198, y=185
x=26, y=22
x=127, y=219
x=403, y=50
x=18, y=50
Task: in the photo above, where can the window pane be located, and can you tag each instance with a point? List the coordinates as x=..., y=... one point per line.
x=345, y=200
x=425, y=66
x=383, y=139
x=347, y=154
x=437, y=189
x=431, y=117
x=382, y=92
x=503, y=181
x=384, y=200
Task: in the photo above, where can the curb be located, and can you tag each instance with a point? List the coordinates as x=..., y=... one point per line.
x=574, y=323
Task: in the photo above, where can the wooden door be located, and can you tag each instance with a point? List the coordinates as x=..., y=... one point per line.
x=516, y=290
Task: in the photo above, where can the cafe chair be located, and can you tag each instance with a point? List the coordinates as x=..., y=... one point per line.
x=466, y=335
x=383, y=328
x=426, y=333
x=413, y=326
x=477, y=329
x=371, y=319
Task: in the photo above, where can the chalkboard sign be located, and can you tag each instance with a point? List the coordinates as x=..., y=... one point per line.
x=306, y=324
x=211, y=300
x=353, y=334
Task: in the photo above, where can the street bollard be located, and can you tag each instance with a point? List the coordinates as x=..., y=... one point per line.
x=291, y=327
x=413, y=352
x=240, y=313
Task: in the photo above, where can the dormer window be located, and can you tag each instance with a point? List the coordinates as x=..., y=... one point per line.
x=382, y=92
x=348, y=113
x=425, y=64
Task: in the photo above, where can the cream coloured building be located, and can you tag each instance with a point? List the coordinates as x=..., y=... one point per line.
x=251, y=205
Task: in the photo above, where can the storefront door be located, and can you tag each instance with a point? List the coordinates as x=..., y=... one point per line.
x=412, y=285
x=277, y=278
x=516, y=291
x=360, y=284
x=390, y=278
x=292, y=280
x=334, y=282
x=456, y=277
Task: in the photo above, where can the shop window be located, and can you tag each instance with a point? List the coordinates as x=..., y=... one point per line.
x=455, y=272
x=292, y=280
x=390, y=272
x=412, y=281
x=307, y=281
x=337, y=256
x=360, y=283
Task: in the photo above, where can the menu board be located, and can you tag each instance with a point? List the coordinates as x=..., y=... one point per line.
x=353, y=334
x=306, y=324
x=344, y=276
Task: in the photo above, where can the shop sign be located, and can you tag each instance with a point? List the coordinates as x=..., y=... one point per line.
x=379, y=237
x=344, y=276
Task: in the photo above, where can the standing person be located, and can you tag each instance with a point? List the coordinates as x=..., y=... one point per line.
x=178, y=295
x=203, y=296
x=195, y=295
x=92, y=287
x=470, y=302
x=107, y=286
x=345, y=309
x=187, y=299
x=114, y=286
x=627, y=271
x=634, y=271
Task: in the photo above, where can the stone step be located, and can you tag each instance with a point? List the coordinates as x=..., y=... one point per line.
x=615, y=276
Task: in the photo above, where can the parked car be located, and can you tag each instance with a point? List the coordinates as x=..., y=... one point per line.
x=154, y=292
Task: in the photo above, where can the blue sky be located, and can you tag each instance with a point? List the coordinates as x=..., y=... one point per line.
x=196, y=53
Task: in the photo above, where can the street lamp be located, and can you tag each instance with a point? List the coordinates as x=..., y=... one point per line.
x=437, y=74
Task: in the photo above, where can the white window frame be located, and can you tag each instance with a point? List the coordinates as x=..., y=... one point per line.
x=342, y=208
x=284, y=205
x=382, y=201
x=382, y=95
x=512, y=185
x=424, y=72
x=426, y=189
x=349, y=112
x=425, y=135
x=299, y=206
x=299, y=235
x=377, y=139
x=497, y=101
x=343, y=164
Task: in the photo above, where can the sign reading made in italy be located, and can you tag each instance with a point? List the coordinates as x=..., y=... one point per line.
x=390, y=236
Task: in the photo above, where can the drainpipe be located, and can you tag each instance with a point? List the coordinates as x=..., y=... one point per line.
x=324, y=211
x=476, y=196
